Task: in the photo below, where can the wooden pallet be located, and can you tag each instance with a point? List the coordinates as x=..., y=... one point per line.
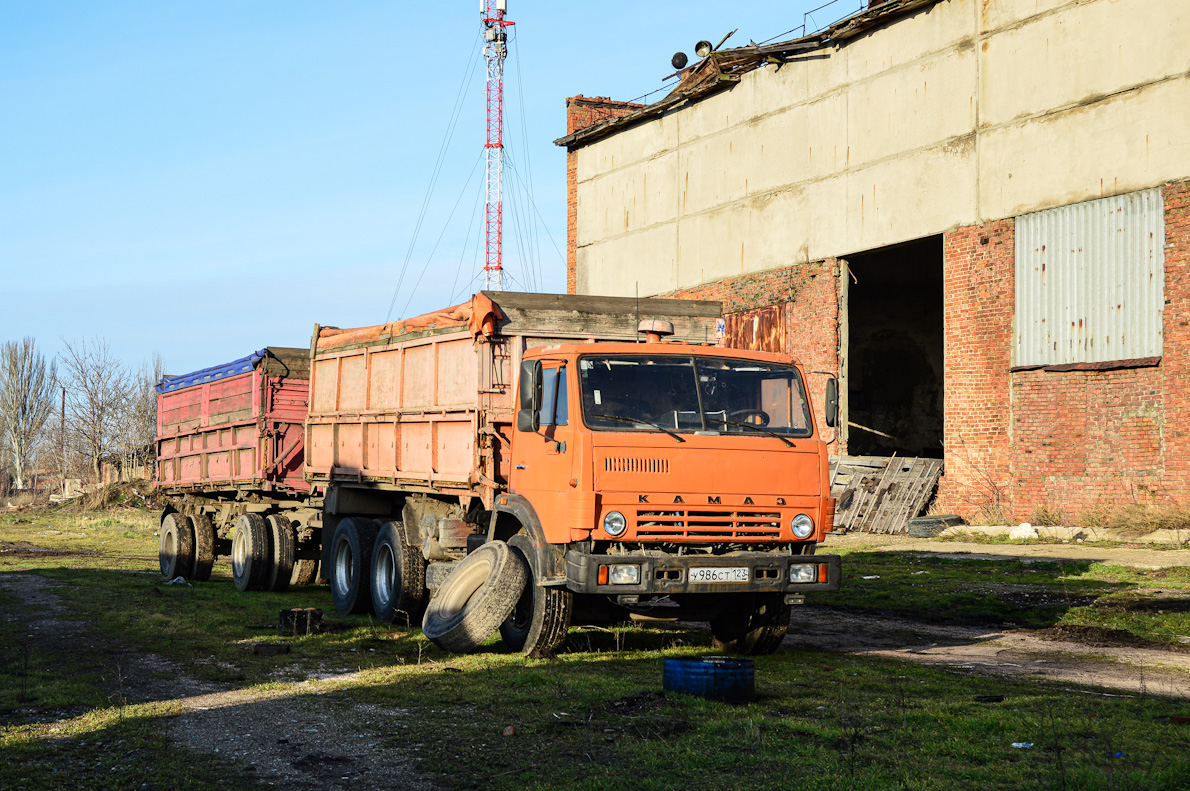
x=880, y=494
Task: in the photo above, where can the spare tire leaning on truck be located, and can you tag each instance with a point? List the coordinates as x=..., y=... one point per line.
x=479, y=595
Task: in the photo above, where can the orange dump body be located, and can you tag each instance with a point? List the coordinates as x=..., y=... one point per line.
x=235, y=426
x=427, y=404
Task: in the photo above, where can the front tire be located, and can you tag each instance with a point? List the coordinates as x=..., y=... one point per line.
x=541, y=619
x=351, y=565
x=752, y=624
x=398, y=577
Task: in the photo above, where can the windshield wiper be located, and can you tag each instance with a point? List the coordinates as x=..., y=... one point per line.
x=751, y=427
x=642, y=422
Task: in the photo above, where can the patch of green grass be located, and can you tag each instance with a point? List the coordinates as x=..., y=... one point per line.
x=1152, y=605
x=597, y=717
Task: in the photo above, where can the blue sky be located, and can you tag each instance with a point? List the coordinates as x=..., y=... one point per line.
x=203, y=179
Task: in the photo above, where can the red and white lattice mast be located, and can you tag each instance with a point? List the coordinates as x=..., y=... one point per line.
x=495, y=50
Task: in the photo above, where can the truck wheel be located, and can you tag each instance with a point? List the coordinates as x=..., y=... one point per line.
x=398, y=577
x=204, y=547
x=752, y=625
x=475, y=599
x=281, y=567
x=351, y=563
x=541, y=618
x=251, y=553
x=176, y=550
x=305, y=571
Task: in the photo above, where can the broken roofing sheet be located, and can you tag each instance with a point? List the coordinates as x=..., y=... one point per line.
x=725, y=67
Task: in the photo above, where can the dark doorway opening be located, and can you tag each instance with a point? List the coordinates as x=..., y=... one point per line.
x=895, y=347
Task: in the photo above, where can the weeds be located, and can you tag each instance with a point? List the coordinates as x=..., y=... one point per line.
x=1047, y=517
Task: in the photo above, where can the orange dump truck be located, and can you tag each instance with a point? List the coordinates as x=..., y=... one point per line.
x=630, y=465
x=519, y=462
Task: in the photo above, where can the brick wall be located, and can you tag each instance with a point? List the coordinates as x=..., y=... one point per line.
x=809, y=297
x=977, y=287
x=1074, y=442
x=581, y=112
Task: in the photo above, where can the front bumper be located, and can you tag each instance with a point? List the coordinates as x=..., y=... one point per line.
x=670, y=574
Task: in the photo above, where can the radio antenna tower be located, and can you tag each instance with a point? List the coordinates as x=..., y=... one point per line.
x=495, y=50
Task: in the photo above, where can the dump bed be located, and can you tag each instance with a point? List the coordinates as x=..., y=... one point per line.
x=238, y=425
x=426, y=404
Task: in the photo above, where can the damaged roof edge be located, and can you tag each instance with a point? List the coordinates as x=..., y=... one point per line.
x=708, y=75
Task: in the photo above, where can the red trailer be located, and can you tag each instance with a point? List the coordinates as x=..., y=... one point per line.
x=230, y=445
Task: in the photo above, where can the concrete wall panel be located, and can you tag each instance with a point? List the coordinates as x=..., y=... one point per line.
x=644, y=260
x=631, y=198
x=941, y=27
x=634, y=144
x=1080, y=55
x=1125, y=143
x=906, y=109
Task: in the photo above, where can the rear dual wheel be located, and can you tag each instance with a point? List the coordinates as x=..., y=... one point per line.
x=175, y=551
x=350, y=561
x=398, y=577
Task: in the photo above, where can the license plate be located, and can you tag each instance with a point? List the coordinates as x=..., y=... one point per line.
x=717, y=574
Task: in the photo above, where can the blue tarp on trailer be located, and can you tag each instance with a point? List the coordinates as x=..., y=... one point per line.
x=243, y=365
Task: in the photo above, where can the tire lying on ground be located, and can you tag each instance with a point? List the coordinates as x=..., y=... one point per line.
x=351, y=565
x=475, y=599
x=398, y=577
x=204, y=547
x=251, y=553
x=541, y=619
x=751, y=624
x=176, y=549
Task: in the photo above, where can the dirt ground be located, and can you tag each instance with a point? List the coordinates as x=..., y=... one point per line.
x=332, y=744
x=1006, y=652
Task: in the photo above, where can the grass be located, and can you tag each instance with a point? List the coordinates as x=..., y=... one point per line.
x=1147, y=605
x=596, y=717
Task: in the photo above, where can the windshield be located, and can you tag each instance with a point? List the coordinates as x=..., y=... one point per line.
x=665, y=392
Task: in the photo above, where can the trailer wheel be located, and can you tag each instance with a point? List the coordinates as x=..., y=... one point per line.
x=204, y=547
x=305, y=571
x=351, y=564
x=541, y=619
x=753, y=624
x=281, y=567
x=176, y=549
x=398, y=577
x=475, y=599
x=251, y=553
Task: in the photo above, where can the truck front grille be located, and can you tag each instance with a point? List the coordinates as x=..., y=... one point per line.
x=707, y=524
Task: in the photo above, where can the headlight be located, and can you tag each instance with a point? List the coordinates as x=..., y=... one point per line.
x=614, y=524
x=624, y=575
x=801, y=573
x=803, y=526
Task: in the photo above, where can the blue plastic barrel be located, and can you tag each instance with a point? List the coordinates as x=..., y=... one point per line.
x=727, y=678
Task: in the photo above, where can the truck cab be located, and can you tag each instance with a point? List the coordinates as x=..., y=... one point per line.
x=667, y=479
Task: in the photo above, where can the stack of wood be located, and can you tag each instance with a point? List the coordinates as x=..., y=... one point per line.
x=880, y=494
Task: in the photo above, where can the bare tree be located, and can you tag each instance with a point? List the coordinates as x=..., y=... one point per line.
x=136, y=423
x=97, y=391
x=27, y=389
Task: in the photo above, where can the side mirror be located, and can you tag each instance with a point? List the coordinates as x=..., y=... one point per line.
x=831, y=402
x=528, y=418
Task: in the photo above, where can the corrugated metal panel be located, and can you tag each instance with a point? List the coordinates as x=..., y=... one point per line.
x=1089, y=281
